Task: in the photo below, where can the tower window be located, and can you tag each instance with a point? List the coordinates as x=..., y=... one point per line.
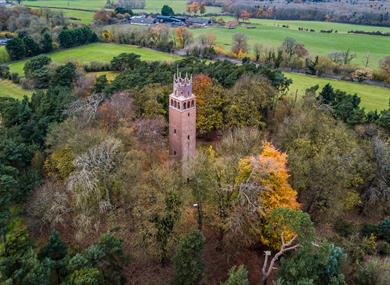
x=188, y=137
x=171, y=102
x=174, y=131
x=188, y=114
x=174, y=152
x=192, y=103
x=174, y=104
x=184, y=105
x=178, y=105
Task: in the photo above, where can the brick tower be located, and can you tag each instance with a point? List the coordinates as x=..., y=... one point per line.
x=182, y=119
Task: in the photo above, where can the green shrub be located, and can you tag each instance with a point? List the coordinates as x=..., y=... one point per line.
x=384, y=229
x=187, y=260
x=343, y=228
x=237, y=276
x=374, y=272
x=383, y=248
x=369, y=229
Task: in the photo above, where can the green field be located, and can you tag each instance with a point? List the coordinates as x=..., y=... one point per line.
x=77, y=4
x=269, y=35
x=84, y=17
x=9, y=89
x=154, y=6
x=317, y=26
x=373, y=97
x=101, y=52
x=3, y=55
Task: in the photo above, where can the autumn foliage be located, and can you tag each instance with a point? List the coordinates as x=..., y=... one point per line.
x=269, y=171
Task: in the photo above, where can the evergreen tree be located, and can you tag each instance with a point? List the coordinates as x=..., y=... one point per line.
x=46, y=43
x=100, y=84
x=187, y=260
x=327, y=94
x=165, y=223
x=108, y=256
x=16, y=48
x=56, y=249
x=314, y=265
x=237, y=276
x=167, y=11
x=64, y=75
x=32, y=48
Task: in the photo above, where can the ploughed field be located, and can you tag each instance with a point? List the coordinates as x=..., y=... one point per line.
x=271, y=33
x=99, y=52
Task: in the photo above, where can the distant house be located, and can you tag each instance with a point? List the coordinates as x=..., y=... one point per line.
x=3, y=41
x=178, y=21
x=196, y=21
x=142, y=21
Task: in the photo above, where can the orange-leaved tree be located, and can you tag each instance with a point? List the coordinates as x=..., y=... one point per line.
x=183, y=37
x=269, y=175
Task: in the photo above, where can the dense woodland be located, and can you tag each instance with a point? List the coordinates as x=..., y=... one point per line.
x=91, y=196
x=282, y=190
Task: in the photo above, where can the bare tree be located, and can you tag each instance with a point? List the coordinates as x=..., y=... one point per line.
x=91, y=183
x=86, y=108
x=49, y=204
x=240, y=44
x=268, y=264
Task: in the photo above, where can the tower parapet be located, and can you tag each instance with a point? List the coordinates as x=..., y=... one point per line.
x=182, y=86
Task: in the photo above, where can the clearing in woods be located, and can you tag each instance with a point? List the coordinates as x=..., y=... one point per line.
x=9, y=89
x=99, y=52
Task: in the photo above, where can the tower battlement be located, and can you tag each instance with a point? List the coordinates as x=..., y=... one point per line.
x=182, y=86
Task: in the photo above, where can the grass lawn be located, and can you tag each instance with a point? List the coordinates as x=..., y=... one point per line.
x=3, y=54
x=83, y=17
x=101, y=52
x=373, y=97
x=9, y=89
x=269, y=35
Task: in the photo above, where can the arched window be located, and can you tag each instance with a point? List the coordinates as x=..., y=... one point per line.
x=184, y=105
x=192, y=103
x=174, y=104
x=171, y=102
x=178, y=105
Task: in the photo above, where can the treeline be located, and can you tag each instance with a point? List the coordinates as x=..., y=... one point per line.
x=346, y=12
x=76, y=37
x=374, y=33
x=23, y=45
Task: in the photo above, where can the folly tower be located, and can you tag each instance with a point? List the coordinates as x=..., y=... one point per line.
x=182, y=119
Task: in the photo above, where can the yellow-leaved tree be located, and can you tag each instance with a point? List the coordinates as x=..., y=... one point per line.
x=268, y=174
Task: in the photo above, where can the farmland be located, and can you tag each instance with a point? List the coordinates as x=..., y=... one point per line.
x=9, y=89
x=266, y=33
x=151, y=6
x=101, y=52
x=372, y=97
